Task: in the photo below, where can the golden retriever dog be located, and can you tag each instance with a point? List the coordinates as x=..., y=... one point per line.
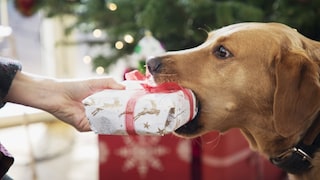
x=260, y=77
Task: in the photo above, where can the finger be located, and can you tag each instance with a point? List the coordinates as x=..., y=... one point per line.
x=105, y=83
x=111, y=83
x=84, y=126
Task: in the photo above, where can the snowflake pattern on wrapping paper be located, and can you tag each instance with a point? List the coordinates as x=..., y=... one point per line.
x=103, y=152
x=142, y=152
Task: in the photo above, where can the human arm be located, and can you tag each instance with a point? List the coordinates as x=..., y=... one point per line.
x=62, y=98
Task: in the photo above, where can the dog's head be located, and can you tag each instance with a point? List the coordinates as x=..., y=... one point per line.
x=244, y=74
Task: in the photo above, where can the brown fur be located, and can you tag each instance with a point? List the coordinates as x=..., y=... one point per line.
x=269, y=87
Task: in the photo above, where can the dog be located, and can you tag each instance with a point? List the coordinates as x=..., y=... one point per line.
x=260, y=77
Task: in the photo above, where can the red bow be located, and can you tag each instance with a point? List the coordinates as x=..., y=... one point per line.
x=166, y=87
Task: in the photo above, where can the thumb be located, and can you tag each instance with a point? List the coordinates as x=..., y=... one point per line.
x=112, y=84
x=105, y=83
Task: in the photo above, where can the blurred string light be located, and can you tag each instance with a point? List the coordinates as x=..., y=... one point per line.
x=128, y=38
x=100, y=70
x=97, y=33
x=87, y=59
x=111, y=6
x=119, y=45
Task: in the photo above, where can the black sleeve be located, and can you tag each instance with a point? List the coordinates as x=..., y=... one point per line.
x=8, y=70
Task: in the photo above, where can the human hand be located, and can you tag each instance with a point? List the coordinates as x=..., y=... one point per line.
x=68, y=106
x=61, y=98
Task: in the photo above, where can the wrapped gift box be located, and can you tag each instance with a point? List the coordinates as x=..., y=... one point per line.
x=140, y=109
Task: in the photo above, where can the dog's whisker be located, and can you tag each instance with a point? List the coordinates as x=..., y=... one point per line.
x=214, y=142
x=206, y=28
x=167, y=75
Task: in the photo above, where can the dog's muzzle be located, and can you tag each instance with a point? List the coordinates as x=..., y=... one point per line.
x=154, y=65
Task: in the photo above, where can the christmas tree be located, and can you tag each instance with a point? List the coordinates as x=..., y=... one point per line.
x=176, y=24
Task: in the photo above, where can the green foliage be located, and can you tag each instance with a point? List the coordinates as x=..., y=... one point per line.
x=301, y=14
x=179, y=24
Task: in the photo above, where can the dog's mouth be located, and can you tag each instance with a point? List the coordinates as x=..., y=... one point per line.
x=191, y=128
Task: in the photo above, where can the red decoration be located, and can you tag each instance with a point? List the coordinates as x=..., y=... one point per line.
x=212, y=156
x=144, y=157
x=134, y=75
x=26, y=7
x=228, y=157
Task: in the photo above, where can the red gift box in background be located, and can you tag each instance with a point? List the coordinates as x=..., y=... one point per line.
x=213, y=156
x=228, y=157
x=144, y=157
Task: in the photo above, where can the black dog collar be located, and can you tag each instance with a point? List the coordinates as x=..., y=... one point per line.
x=297, y=159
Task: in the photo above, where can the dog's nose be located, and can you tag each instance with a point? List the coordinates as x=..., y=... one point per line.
x=154, y=65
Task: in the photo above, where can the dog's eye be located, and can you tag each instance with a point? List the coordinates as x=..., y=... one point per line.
x=222, y=53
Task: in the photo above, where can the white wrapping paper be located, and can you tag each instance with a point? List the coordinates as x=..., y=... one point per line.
x=138, y=111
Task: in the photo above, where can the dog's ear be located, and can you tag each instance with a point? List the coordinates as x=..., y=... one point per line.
x=297, y=92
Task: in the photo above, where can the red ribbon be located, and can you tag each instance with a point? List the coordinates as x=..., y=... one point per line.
x=129, y=117
x=167, y=87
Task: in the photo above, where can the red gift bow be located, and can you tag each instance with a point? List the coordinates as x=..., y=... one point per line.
x=167, y=87
x=134, y=75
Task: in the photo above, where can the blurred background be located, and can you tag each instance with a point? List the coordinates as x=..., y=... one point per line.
x=85, y=38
